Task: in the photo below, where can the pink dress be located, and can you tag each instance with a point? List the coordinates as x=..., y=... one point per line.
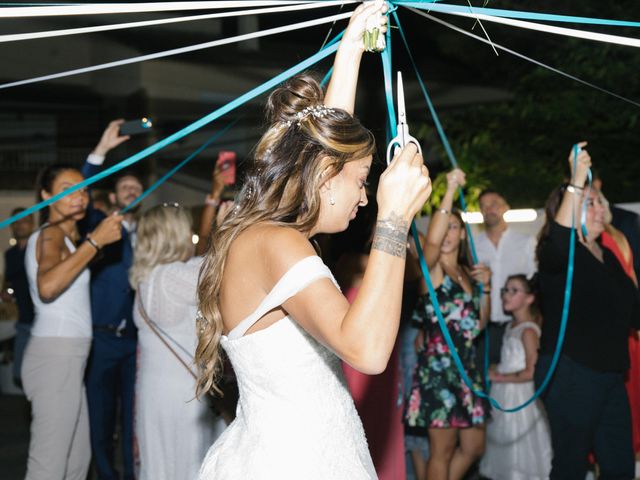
x=378, y=399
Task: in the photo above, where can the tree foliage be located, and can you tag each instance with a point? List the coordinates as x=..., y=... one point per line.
x=520, y=147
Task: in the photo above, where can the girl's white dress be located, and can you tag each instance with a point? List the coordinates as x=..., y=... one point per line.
x=173, y=430
x=518, y=444
x=295, y=418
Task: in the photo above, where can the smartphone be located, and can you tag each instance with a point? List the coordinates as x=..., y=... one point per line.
x=227, y=163
x=136, y=127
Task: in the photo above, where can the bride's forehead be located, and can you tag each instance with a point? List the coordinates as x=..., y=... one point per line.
x=360, y=164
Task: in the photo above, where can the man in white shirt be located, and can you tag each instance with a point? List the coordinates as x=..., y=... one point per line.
x=507, y=253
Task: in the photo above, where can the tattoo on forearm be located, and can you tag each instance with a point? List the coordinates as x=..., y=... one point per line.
x=391, y=236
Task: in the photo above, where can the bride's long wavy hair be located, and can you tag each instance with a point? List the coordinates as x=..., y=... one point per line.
x=294, y=157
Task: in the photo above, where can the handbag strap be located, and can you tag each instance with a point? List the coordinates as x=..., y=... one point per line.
x=153, y=328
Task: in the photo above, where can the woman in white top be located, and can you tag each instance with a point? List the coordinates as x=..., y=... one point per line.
x=55, y=358
x=173, y=430
x=270, y=302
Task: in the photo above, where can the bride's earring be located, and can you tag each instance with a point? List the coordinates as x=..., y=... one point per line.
x=332, y=201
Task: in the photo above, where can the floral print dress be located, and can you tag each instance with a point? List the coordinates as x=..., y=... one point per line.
x=439, y=398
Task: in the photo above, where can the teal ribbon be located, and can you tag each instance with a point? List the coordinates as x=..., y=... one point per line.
x=171, y=172
x=515, y=14
x=454, y=163
x=583, y=208
x=436, y=304
x=414, y=231
x=325, y=52
x=175, y=169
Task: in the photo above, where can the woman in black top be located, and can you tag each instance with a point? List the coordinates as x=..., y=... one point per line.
x=586, y=400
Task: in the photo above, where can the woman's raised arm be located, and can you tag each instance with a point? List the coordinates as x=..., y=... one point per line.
x=341, y=92
x=440, y=219
x=55, y=271
x=573, y=194
x=363, y=334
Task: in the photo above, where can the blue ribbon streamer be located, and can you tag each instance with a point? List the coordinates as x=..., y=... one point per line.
x=325, y=52
x=425, y=270
x=170, y=173
x=515, y=14
x=454, y=163
x=442, y=323
x=583, y=208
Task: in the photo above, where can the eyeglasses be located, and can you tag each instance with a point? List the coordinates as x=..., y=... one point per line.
x=510, y=290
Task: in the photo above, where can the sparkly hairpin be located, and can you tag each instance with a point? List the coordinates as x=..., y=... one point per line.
x=201, y=321
x=317, y=111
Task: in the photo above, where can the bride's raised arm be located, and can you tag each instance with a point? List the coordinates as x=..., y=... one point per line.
x=341, y=92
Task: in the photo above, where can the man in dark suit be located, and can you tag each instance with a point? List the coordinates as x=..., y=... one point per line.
x=110, y=375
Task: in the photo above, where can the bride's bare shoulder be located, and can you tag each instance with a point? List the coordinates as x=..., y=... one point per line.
x=272, y=248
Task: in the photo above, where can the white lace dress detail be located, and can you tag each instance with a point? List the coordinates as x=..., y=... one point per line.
x=518, y=444
x=295, y=418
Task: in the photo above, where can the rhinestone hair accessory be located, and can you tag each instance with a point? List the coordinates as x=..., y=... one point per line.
x=316, y=111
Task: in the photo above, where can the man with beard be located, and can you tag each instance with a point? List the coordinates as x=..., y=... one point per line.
x=507, y=253
x=110, y=374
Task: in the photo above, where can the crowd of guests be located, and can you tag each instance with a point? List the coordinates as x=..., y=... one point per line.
x=585, y=415
x=107, y=336
x=97, y=355
x=97, y=375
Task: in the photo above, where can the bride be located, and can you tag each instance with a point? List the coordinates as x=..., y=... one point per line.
x=268, y=300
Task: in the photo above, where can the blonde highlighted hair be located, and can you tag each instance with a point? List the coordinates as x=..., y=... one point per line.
x=163, y=236
x=294, y=157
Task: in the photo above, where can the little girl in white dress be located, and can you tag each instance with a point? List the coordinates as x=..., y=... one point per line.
x=519, y=443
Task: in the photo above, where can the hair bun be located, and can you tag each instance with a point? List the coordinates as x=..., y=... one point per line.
x=298, y=93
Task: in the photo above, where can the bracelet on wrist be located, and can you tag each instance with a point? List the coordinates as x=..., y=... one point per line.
x=93, y=243
x=212, y=201
x=574, y=189
x=576, y=186
x=443, y=211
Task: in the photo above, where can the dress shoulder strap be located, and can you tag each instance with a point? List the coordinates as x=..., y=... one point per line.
x=297, y=278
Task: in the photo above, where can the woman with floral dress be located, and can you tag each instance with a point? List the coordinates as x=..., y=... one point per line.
x=440, y=401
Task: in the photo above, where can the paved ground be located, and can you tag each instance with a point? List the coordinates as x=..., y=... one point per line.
x=14, y=436
x=15, y=416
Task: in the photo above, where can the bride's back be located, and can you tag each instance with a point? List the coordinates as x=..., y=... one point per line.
x=249, y=274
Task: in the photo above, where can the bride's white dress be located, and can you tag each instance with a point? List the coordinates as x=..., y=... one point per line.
x=295, y=417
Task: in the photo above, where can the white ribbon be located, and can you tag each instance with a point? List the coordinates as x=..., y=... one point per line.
x=524, y=57
x=147, y=23
x=176, y=51
x=569, y=32
x=103, y=8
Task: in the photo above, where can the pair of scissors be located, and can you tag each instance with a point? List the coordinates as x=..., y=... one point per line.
x=402, y=138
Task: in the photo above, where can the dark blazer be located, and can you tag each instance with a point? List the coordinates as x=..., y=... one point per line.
x=111, y=295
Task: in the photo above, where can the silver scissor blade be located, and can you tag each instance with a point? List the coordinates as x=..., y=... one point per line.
x=402, y=113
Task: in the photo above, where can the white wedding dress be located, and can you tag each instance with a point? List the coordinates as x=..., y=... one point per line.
x=518, y=444
x=295, y=418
